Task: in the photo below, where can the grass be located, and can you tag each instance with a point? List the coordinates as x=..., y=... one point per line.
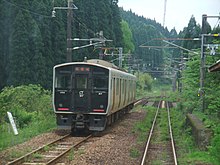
x=81, y=151
x=16, y=154
x=143, y=127
x=8, y=139
x=157, y=162
x=71, y=155
x=187, y=152
x=134, y=153
x=47, y=148
x=37, y=156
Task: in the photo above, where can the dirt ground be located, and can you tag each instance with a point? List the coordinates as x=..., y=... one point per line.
x=113, y=147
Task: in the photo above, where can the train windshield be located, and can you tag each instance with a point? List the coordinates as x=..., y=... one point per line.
x=63, y=80
x=100, y=82
x=81, y=82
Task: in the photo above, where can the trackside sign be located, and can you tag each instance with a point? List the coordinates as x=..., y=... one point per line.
x=12, y=123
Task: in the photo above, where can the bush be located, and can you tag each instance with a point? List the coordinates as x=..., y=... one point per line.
x=145, y=81
x=31, y=106
x=215, y=149
x=215, y=145
x=25, y=103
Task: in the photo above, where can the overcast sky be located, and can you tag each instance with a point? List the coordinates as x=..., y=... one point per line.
x=178, y=12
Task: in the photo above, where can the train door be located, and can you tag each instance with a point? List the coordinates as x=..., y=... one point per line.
x=81, y=93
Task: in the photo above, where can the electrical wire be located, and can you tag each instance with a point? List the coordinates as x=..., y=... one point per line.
x=217, y=23
x=28, y=10
x=83, y=25
x=48, y=16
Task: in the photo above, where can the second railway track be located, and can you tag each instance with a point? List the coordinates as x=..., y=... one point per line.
x=160, y=148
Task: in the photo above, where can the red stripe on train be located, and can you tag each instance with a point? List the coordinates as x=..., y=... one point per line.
x=98, y=110
x=63, y=109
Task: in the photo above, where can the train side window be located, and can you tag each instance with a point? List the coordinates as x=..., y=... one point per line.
x=117, y=86
x=81, y=82
x=63, y=81
x=113, y=88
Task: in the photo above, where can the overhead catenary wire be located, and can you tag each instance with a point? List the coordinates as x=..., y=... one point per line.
x=217, y=23
x=77, y=19
x=28, y=10
x=49, y=16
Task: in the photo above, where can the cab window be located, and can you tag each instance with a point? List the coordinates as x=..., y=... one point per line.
x=100, y=82
x=63, y=81
x=81, y=82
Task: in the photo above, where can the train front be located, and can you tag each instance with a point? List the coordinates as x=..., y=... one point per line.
x=80, y=96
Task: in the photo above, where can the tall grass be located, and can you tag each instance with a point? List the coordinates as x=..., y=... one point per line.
x=31, y=106
x=8, y=139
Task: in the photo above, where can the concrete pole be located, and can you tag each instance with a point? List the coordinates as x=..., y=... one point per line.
x=202, y=64
x=69, y=31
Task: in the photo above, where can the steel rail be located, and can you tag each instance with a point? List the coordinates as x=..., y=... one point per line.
x=66, y=151
x=171, y=135
x=150, y=134
x=21, y=159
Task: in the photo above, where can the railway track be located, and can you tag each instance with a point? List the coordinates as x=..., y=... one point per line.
x=160, y=148
x=51, y=152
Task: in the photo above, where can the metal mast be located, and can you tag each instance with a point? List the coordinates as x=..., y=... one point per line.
x=164, y=14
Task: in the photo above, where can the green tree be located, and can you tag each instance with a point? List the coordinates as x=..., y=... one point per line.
x=127, y=37
x=116, y=24
x=145, y=81
x=19, y=71
x=193, y=30
x=2, y=62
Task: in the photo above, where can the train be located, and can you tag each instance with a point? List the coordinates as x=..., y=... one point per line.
x=92, y=94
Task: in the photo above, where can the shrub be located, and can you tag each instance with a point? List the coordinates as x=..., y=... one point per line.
x=31, y=107
x=145, y=81
x=215, y=145
x=25, y=103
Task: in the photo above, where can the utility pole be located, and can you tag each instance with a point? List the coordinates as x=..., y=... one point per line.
x=202, y=63
x=69, y=31
x=69, y=9
x=164, y=14
x=120, y=57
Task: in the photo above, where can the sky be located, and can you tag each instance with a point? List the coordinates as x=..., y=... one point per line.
x=178, y=12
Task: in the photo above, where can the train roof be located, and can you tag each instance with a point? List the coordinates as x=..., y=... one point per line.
x=102, y=62
x=94, y=61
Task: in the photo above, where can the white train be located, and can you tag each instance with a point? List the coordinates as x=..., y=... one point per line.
x=91, y=95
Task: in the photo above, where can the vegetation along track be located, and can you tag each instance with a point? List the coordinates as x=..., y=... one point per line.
x=51, y=152
x=160, y=148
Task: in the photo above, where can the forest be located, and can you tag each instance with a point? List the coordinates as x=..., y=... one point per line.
x=32, y=42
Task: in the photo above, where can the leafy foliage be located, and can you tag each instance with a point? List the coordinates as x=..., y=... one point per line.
x=127, y=37
x=191, y=102
x=145, y=81
x=32, y=42
x=26, y=103
x=31, y=107
x=215, y=147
